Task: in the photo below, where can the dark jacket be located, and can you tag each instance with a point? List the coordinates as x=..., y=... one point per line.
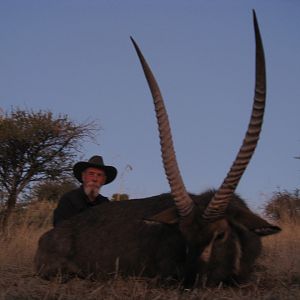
x=72, y=203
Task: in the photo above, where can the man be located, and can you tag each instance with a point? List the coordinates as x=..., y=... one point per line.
x=92, y=174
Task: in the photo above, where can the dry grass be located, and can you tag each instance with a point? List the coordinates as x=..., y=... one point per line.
x=277, y=275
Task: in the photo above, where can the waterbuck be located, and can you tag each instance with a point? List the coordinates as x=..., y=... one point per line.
x=211, y=238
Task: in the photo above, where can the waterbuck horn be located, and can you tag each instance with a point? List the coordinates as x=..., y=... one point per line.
x=219, y=203
x=182, y=199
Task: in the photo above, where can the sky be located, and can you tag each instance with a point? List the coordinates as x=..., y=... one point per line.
x=75, y=58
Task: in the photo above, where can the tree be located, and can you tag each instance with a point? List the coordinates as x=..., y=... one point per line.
x=284, y=206
x=36, y=146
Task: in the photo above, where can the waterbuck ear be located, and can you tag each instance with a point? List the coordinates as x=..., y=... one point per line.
x=168, y=216
x=271, y=229
x=255, y=223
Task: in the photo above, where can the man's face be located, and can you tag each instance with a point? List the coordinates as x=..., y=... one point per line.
x=93, y=179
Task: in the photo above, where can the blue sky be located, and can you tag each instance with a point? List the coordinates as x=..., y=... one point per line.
x=76, y=58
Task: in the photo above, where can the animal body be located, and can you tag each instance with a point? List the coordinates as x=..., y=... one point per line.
x=213, y=237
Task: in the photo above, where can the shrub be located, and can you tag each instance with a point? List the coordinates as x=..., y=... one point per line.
x=284, y=206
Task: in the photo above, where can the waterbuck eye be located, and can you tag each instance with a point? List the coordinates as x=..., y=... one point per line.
x=220, y=236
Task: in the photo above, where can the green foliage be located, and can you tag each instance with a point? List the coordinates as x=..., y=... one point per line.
x=284, y=206
x=36, y=146
x=119, y=197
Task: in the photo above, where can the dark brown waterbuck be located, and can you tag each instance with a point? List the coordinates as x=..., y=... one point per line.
x=212, y=237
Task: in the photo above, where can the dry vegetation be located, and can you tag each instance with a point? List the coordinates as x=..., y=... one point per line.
x=277, y=274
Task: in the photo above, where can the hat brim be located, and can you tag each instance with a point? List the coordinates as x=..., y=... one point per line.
x=110, y=171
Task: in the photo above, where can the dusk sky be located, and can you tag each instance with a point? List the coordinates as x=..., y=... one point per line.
x=75, y=58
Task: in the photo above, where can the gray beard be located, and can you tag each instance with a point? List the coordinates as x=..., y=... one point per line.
x=92, y=192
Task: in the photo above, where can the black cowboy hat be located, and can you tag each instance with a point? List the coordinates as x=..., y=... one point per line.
x=95, y=161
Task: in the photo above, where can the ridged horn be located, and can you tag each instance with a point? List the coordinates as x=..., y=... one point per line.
x=219, y=203
x=182, y=199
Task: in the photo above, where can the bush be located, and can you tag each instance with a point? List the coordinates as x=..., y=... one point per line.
x=119, y=197
x=284, y=206
x=51, y=190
